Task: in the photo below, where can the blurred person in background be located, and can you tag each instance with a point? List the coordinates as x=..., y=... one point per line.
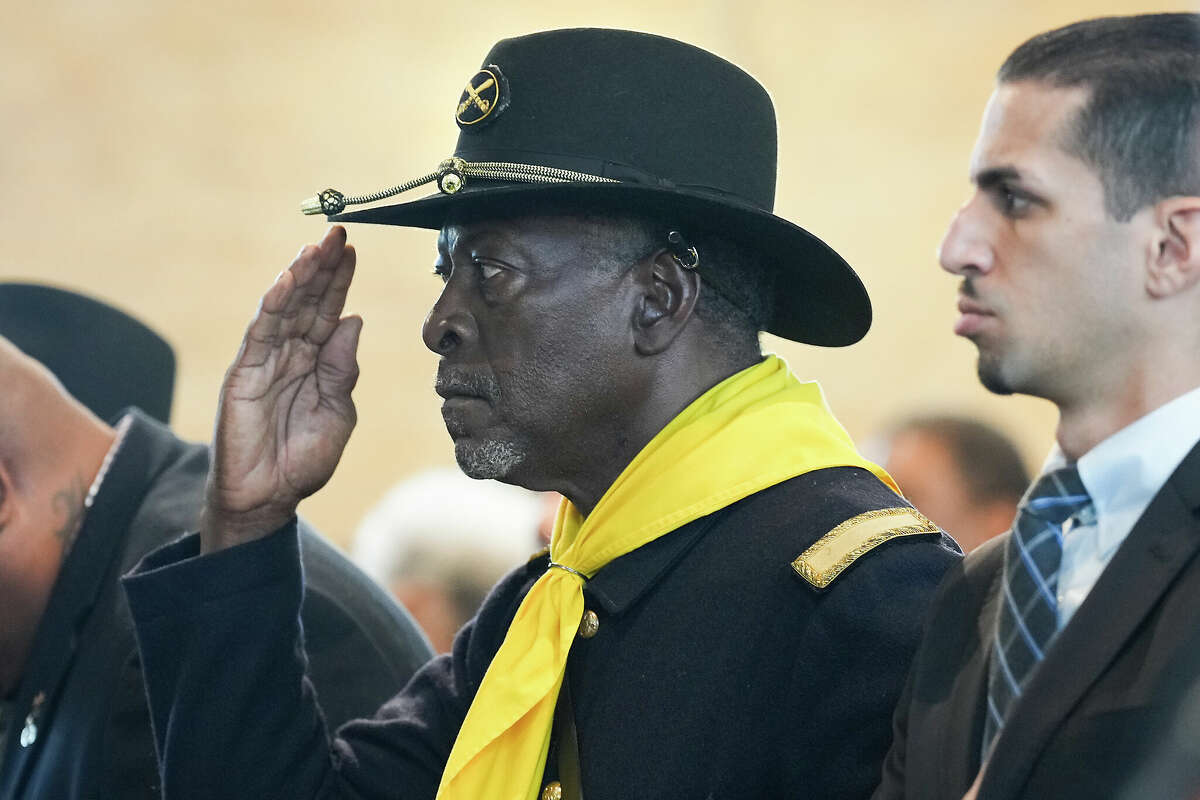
x=439, y=541
x=1062, y=660
x=81, y=500
x=960, y=472
x=732, y=592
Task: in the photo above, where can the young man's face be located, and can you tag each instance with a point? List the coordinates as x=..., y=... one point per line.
x=1048, y=275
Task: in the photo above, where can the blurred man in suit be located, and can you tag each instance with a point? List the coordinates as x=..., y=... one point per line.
x=963, y=474
x=81, y=500
x=1062, y=660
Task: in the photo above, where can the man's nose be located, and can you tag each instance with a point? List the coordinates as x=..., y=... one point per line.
x=966, y=248
x=449, y=324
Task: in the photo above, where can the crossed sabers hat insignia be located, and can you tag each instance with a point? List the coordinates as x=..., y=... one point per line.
x=473, y=96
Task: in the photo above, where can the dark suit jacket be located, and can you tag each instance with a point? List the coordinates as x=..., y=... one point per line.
x=716, y=672
x=1113, y=711
x=93, y=727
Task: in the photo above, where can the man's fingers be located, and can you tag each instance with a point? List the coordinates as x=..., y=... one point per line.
x=262, y=335
x=329, y=254
x=312, y=270
x=307, y=298
x=337, y=363
x=335, y=237
x=333, y=301
x=303, y=268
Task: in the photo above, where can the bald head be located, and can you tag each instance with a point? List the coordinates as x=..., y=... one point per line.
x=50, y=450
x=41, y=426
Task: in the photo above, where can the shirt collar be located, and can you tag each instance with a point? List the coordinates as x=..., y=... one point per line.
x=1124, y=472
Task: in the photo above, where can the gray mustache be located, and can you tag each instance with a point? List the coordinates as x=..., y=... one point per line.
x=455, y=380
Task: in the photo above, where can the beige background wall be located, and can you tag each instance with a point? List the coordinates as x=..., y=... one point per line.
x=155, y=154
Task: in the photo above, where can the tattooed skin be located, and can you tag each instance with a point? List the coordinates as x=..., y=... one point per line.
x=69, y=503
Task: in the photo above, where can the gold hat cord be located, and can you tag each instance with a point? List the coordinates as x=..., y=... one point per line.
x=451, y=176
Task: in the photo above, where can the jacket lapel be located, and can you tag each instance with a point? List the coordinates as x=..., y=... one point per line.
x=1165, y=539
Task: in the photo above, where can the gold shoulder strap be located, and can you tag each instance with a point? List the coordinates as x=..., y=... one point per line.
x=845, y=544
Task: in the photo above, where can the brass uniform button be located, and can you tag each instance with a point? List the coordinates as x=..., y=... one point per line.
x=553, y=791
x=589, y=625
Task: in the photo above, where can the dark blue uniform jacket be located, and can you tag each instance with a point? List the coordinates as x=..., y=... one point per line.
x=716, y=672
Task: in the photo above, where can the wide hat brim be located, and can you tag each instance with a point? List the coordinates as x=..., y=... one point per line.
x=604, y=118
x=818, y=298
x=105, y=358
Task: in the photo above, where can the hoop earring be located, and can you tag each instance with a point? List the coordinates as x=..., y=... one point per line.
x=684, y=255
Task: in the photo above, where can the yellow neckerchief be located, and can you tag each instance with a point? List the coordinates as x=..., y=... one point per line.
x=753, y=430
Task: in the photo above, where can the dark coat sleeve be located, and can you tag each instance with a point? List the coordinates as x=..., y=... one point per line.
x=934, y=750
x=362, y=647
x=862, y=634
x=250, y=726
x=130, y=771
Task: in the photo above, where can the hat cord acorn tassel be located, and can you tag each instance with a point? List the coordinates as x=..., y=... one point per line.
x=331, y=201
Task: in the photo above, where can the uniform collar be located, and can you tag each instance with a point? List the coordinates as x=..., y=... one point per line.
x=620, y=583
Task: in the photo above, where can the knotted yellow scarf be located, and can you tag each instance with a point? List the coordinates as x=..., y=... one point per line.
x=753, y=430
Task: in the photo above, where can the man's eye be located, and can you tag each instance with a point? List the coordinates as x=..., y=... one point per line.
x=487, y=271
x=1012, y=201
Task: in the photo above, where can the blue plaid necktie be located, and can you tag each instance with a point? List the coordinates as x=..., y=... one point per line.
x=1028, y=616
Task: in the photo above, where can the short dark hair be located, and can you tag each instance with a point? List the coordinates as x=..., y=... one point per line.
x=1140, y=127
x=736, y=293
x=989, y=462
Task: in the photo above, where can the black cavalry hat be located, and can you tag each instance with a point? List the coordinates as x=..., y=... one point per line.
x=643, y=123
x=105, y=358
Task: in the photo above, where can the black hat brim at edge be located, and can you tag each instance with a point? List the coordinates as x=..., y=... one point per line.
x=105, y=358
x=818, y=298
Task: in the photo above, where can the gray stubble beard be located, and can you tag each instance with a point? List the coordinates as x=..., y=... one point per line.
x=489, y=459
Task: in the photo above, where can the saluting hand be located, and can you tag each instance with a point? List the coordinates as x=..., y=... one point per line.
x=285, y=411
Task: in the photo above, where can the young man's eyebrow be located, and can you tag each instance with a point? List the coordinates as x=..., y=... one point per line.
x=993, y=176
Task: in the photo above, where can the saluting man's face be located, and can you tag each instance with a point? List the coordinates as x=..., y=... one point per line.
x=534, y=332
x=1048, y=275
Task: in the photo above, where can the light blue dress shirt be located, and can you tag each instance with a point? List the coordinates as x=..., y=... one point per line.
x=1122, y=474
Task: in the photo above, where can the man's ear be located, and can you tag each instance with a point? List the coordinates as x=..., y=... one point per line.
x=1174, y=263
x=668, y=297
